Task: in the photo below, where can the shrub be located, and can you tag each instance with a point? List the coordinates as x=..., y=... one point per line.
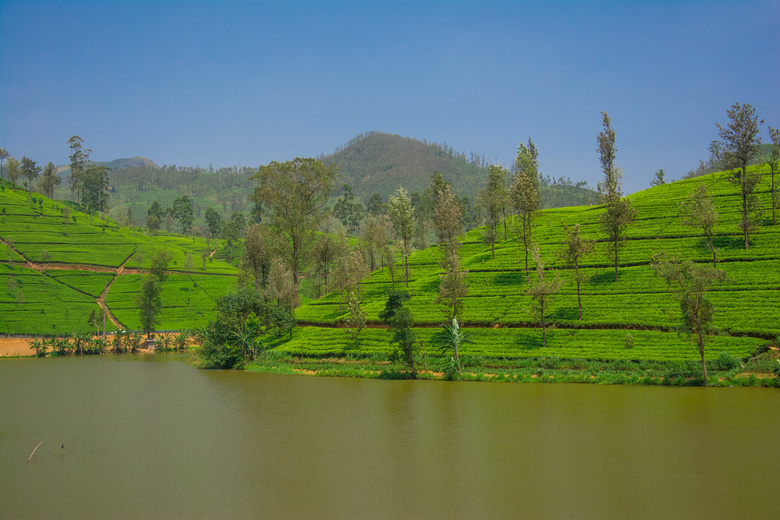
x=727, y=362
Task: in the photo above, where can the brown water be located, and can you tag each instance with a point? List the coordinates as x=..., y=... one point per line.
x=155, y=438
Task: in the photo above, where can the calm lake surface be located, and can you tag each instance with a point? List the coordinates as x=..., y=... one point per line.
x=153, y=437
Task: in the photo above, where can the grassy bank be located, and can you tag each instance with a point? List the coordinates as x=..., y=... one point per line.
x=725, y=370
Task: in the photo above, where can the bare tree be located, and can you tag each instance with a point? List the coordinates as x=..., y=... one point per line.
x=402, y=217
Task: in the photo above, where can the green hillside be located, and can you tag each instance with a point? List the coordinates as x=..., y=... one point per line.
x=747, y=307
x=83, y=256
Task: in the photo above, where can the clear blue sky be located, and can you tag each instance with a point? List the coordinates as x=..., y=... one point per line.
x=245, y=83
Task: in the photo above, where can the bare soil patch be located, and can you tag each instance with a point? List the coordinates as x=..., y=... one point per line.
x=15, y=347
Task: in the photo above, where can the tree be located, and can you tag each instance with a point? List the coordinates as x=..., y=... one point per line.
x=154, y=217
x=376, y=234
x=689, y=283
x=355, y=321
x=619, y=213
x=739, y=143
x=493, y=200
x=280, y=285
x=232, y=231
x=30, y=171
x=327, y=248
x=525, y=193
x=454, y=285
x=402, y=217
x=213, y=222
x=375, y=204
x=182, y=211
x=659, y=178
x=78, y=161
x=699, y=211
x=447, y=215
x=542, y=291
x=3, y=156
x=49, y=180
x=294, y=192
x=773, y=160
x=94, y=185
x=256, y=260
x=404, y=339
x=149, y=303
x=451, y=339
x=160, y=260
x=574, y=250
x=347, y=211
x=12, y=170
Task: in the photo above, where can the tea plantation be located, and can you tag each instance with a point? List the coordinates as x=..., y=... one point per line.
x=638, y=305
x=55, y=262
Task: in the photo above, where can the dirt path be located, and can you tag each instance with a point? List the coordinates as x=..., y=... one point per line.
x=101, y=300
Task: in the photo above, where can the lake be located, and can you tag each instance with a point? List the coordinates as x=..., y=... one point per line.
x=149, y=436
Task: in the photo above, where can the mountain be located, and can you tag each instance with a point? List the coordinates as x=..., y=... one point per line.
x=376, y=162
x=132, y=162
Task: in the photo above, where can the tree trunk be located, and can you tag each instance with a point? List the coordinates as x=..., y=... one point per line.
x=544, y=329
x=525, y=245
x=701, y=352
x=774, y=200
x=744, y=208
x=616, y=257
x=493, y=248
x=577, y=274
x=714, y=257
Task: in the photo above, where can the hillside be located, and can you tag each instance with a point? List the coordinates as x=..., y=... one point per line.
x=132, y=162
x=377, y=162
x=747, y=308
x=90, y=263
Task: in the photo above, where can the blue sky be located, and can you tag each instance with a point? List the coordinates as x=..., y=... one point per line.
x=245, y=83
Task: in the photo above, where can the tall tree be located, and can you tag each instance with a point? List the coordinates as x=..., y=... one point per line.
x=453, y=286
x=401, y=323
x=689, y=283
x=447, y=217
x=659, y=178
x=618, y=212
x=355, y=321
x=542, y=290
x=78, y=161
x=575, y=248
x=12, y=172
x=30, y=171
x=493, y=200
x=94, y=186
x=149, y=303
x=347, y=210
x=327, y=248
x=256, y=260
x=739, y=145
x=376, y=234
x=3, y=156
x=213, y=222
x=773, y=160
x=182, y=211
x=525, y=193
x=699, y=211
x=294, y=193
x=49, y=180
x=155, y=210
x=402, y=217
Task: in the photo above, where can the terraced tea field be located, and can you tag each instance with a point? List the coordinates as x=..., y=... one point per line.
x=747, y=307
x=56, y=263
